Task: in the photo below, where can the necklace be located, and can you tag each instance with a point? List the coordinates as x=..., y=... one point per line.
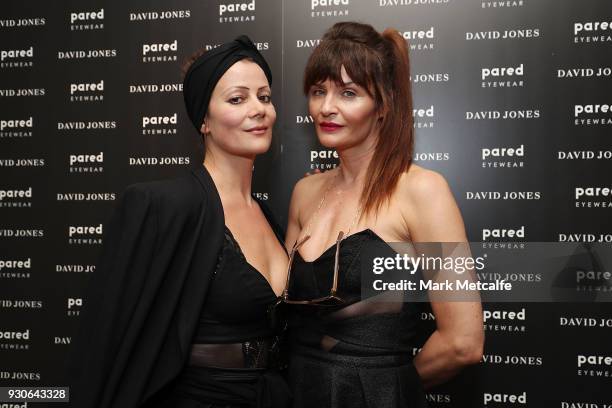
x=316, y=213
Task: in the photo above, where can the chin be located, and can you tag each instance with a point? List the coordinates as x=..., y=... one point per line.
x=330, y=140
x=256, y=147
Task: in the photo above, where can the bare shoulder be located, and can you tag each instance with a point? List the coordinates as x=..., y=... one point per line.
x=310, y=186
x=429, y=207
x=421, y=185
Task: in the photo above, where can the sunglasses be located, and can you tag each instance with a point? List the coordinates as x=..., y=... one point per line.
x=330, y=300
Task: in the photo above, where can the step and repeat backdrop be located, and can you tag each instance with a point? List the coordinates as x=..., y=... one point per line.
x=511, y=104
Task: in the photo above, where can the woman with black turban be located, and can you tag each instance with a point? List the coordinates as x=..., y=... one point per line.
x=176, y=314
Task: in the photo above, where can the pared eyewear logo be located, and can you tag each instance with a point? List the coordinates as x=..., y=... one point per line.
x=501, y=4
x=600, y=114
x=592, y=32
x=87, y=20
x=424, y=117
x=22, y=58
x=14, y=340
x=16, y=198
x=329, y=8
x=420, y=40
x=160, y=52
x=594, y=365
x=87, y=92
x=593, y=197
x=237, y=12
x=505, y=320
x=15, y=269
x=503, y=233
x=159, y=125
x=395, y=3
x=73, y=306
x=503, y=157
x=502, y=77
x=13, y=128
x=86, y=163
x=500, y=398
x=323, y=159
x=85, y=234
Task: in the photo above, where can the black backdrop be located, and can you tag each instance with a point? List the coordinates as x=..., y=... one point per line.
x=82, y=85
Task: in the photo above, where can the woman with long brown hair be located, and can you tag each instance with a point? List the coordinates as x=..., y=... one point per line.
x=346, y=351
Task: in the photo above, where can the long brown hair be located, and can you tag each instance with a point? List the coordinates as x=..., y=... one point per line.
x=379, y=63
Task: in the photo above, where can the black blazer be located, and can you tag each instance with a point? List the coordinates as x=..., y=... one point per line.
x=143, y=302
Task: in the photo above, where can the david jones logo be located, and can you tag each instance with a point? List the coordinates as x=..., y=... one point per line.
x=23, y=22
x=159, y=15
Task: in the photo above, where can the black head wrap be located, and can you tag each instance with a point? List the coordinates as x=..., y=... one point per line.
x=205, y=72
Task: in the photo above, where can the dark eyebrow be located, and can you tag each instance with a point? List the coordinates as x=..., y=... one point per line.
x=247, y=88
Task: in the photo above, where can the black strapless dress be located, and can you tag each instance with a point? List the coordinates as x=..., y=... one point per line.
x=236, y=357
x=357, y=354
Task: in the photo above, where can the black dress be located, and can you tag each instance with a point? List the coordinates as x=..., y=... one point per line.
x=143, y=305
x=357, y=354
x=236, y=358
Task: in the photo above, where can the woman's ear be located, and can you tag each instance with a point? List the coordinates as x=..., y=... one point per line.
x=204, y=128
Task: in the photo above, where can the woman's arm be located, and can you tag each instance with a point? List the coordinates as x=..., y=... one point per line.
x=433, y=216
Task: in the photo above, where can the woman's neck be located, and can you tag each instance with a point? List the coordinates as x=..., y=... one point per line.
x=354, y=162
x=232, y=175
